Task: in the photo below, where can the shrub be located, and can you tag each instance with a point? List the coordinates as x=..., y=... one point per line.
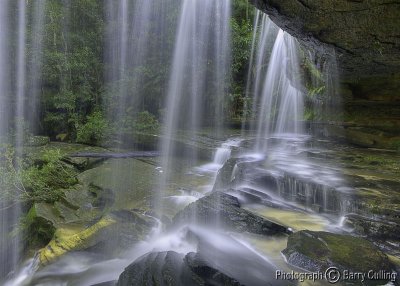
x=145, y=122
x=94, y=130
x=46, y=182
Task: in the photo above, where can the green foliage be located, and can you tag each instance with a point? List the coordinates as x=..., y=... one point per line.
x=73, y=68
x=396, y=145
x=10, y=175
x=23, y=181
x=309, y=114
x=45, y=183
x=318, y=91
x=94, y=131
x=242, y=36
x=146, y=122
x=242, y=32
x=142, y=122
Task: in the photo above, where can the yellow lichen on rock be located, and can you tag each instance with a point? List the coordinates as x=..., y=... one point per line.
x=64, y=242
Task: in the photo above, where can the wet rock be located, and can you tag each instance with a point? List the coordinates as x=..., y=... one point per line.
x=367, y=48
x=171, y=268
x=223, y=209
x=317, y=251
x=37, y=141
x=224, y=176
x=109, y=283
x=373, y=228
x=83, y=163
x=250, y=196
x=39, y=227
x=130, y=226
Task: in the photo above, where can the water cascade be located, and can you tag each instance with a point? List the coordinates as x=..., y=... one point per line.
x=7, y=258
x=20, y=76
x=221, y=205
x=202, y=37
x=263, y=34
x=131, y=49
x=281, y=96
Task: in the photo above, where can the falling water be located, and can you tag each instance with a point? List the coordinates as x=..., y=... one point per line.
x=35, y=62
x=21, y=76
x=132, y=48
x=4, y=72
x=19, y=93
x=266, y=32
x=5, y=215
x=281, y=98
x=202, y=37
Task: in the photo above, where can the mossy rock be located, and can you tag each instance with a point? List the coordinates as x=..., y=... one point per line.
x=130, y=226
x=39, y=229
x=374, y=228
x=317, y=251
x=63, y=242
x=37, y=141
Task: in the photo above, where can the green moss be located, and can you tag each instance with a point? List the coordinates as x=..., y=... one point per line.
x=320, y=250
x=64, y=241
x=37, y=230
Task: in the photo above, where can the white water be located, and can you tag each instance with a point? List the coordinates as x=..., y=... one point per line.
x=4, y=121
x=266, y=32
x=21, y=76
x=202, y=37
x=20, y=73
x=281, y=99
x=35, y=63
x=130, y=50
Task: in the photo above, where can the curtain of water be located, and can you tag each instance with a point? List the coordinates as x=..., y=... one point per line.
x=135, y=49
x=250, y=70
x=202, y=38
x=5, y=256
x=267, y=33
x=281, y=108
x=35, y=63
x=19, y=92
x=21, y=76
x=4, y=70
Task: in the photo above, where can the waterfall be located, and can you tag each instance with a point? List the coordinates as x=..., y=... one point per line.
x=20, y=76
x=202, y=38
x=131, y=49
x=281, y=102
x=35, y=63
x=266, y=32
x=4, y=72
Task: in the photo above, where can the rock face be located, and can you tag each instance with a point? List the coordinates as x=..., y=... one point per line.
x=317, y=251
x=366, y=34
x=171, y=268
x=224, y=209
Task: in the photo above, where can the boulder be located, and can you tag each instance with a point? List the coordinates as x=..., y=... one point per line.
x=131, y=227
x=37, y=141
x=317, y=251
x=223, y=209
x=174, y=269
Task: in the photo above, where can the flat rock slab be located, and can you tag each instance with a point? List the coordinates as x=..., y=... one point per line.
x=116, y=155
